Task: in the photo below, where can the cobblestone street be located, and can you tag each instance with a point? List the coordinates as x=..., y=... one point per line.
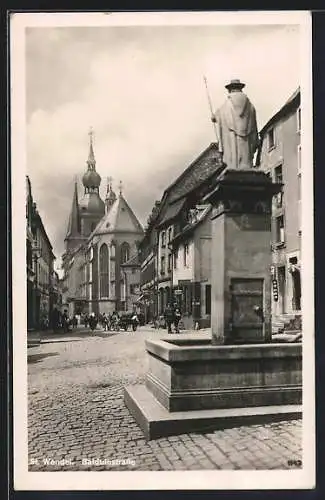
x=77, y=415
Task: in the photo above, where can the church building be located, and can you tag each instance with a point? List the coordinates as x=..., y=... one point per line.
x=101, y=238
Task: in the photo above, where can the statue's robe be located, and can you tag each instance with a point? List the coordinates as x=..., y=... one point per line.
x=237, y=131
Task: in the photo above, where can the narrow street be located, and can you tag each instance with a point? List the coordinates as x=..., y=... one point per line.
x=78, y=421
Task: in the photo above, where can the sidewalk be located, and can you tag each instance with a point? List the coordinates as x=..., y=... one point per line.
x=37, y=337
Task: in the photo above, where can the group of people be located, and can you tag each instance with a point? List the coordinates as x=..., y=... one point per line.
x=109, y=321
x=173, y=316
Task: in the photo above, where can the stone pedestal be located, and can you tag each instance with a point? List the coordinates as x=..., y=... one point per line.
x=195, y=382
x=241, y=256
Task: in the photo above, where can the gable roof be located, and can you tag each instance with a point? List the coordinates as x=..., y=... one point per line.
x=119, y=219
x=292, y=103
x=203, y=168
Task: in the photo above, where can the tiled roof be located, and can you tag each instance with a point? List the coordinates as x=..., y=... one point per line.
x=172, y=210
x=198, y=172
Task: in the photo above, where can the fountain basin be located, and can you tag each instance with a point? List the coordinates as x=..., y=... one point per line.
x=192, y=384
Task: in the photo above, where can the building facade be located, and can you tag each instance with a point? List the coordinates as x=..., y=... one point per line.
x=41, y=298
x=280, y=156
x=159, y=255
x=191, y=249
x=148, y=254
x=101, y=237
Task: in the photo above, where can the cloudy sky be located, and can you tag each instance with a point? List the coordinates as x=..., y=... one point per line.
x=142, y=91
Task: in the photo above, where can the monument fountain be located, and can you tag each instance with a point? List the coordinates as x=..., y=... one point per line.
x=238, y=376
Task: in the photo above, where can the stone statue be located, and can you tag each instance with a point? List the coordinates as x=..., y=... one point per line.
x=237, y=128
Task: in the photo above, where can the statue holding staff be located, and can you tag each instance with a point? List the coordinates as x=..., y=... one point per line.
x=236, y=128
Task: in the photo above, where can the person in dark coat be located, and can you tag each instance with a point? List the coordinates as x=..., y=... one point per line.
x=169, y=317
x=65, y=321
x=92, y=321
x=177, y=318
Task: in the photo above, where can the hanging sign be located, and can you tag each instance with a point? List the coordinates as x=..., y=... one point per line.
x=275, y=290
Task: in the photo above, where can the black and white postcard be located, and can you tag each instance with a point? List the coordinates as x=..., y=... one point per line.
x=162, y=250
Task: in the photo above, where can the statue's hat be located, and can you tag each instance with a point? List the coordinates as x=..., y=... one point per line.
x=235, y=84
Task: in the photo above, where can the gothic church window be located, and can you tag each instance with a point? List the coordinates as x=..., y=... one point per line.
x=125, y=252
x=103, y=267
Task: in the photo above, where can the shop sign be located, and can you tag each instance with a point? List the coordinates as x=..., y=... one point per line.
x=275, y=290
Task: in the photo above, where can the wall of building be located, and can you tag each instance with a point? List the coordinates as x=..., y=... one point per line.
x=184, y=269
x=285, y=153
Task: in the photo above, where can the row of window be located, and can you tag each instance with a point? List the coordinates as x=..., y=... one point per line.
x=169, y=236
x=176, y=260
x=103, y=253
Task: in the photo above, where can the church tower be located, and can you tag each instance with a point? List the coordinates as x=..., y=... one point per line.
x=110, y=195
x=73, y=237
x=92, y=207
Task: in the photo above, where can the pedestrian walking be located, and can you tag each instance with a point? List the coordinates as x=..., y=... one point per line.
x=65, y=321
x=104, y=322
x=169, y=317
x=92, y=321
x=74, y=321
x=115, y=321
x=177, y=318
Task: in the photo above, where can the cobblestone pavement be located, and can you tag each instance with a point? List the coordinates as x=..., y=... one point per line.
x=77, y=416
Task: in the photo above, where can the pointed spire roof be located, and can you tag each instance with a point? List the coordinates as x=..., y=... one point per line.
x=91, y=155
x=119, y=219
x=110, y=195
x=74, y=226
x=91, y=179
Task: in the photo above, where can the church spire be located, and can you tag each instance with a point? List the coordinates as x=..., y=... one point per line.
x=91, y=156
x=74, y=226
x=110, y=195
x=91, y=179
